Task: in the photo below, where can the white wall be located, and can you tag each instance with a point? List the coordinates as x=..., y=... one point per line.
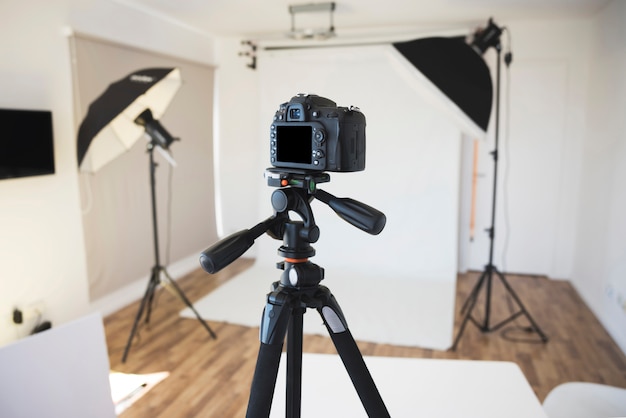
x=599, y=271
x=42, y=255
x=237, y=135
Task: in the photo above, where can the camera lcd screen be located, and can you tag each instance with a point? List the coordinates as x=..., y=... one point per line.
x=294, y=144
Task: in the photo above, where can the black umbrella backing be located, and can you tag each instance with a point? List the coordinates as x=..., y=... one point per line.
x=109, y=129
x=457, y=70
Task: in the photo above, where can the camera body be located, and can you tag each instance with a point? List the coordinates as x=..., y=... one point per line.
x=311, y=132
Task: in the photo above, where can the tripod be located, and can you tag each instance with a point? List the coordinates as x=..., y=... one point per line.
x=157, y=270
x=487, y=276
x=298, y=289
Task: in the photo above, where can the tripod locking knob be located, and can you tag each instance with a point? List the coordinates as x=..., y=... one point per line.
x=301, y=274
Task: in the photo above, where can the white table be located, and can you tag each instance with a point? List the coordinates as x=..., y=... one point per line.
x=414, y=388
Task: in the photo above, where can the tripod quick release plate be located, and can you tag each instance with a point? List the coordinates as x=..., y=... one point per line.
x=302, y=179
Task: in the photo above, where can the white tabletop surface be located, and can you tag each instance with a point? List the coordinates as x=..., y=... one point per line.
x=414, y=388
x=61, y=372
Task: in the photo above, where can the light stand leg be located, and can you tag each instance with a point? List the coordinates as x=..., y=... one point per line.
x=155, y=280
x=179, y=293
x=522, y=310
x=145, y=302
x=471, y=299
x=469, y=304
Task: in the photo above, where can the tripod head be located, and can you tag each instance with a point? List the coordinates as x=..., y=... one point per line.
x=297, y=189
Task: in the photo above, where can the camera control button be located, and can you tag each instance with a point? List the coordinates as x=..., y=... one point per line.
x=319, y=153
x=319, y=136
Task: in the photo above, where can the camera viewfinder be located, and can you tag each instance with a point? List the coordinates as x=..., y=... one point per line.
x=295, y=113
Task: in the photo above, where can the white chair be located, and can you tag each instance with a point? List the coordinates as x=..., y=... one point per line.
x=585, y=400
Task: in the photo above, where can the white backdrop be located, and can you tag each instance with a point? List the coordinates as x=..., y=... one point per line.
x=412, y=175
x=412, y=168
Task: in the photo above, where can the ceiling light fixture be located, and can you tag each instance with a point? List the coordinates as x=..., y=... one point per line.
x=312, y=33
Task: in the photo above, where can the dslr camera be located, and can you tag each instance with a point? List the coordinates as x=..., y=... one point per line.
x=312, y=133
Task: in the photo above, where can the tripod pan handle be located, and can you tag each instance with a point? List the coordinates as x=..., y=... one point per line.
x=356, y=213
x=224, y=252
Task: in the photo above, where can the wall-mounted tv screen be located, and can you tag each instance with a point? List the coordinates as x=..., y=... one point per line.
x=26, y=143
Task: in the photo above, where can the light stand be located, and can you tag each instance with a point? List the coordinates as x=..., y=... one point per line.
x=484, y=39
x=159, y=137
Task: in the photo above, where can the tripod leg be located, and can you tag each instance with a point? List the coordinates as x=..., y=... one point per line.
x=274, y=324
x=181, y=296
x=294, y=364
x=264, y=381
x=351, y=356
x=147, y=300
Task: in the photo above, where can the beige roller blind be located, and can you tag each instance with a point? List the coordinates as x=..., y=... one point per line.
x=116, y=199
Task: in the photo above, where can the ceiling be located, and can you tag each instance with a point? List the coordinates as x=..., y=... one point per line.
x=271, y=18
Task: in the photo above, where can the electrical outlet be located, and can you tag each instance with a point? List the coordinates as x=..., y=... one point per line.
x=28, y=315
x=24, y=318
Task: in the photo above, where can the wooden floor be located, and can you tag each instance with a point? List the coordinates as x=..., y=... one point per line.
x=211, y=378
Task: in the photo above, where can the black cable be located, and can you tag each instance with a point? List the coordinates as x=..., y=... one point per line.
x=505, y=334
